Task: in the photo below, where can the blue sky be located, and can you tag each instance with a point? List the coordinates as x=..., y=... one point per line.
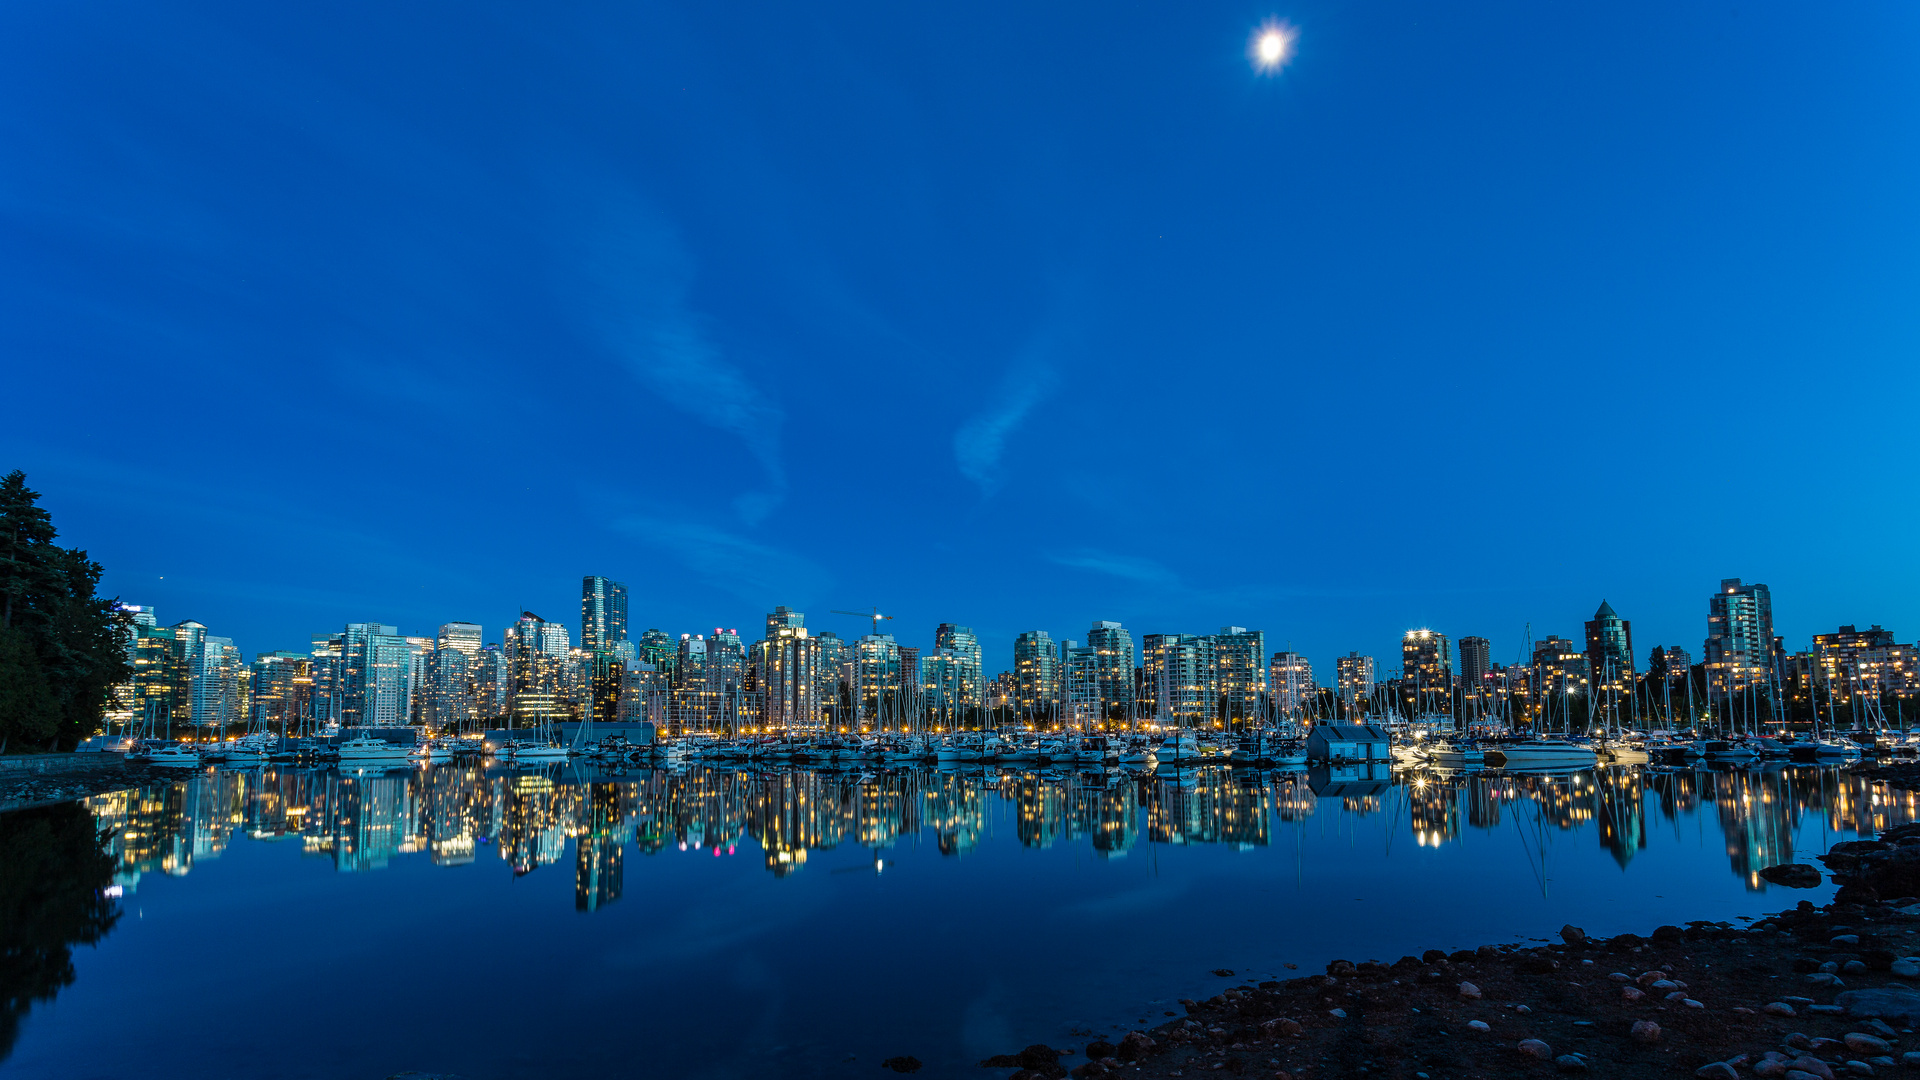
x=1007, y=315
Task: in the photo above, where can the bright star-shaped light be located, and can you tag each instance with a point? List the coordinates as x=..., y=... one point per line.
x=1272, y=45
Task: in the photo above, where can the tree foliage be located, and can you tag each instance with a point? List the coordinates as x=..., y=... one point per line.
x=62, y=647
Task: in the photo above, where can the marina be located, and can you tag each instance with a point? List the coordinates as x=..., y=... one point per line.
x=728, y=919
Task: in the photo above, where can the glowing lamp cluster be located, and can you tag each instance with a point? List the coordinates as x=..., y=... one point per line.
x=1271, y=46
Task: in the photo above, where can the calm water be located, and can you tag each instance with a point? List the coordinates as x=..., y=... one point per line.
x=720, y=922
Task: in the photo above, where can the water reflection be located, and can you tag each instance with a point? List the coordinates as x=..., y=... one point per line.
x=453, y=814
x=55, y=893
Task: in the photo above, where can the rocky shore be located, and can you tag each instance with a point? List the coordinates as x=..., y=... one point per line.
x=1812, y=993
x=76, y=777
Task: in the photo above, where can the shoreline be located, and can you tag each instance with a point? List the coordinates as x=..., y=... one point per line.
x=1809, y=993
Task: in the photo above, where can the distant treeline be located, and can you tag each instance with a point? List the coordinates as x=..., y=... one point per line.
x=62, y=648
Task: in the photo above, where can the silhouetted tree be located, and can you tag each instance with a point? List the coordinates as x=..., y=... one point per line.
x=61, y=646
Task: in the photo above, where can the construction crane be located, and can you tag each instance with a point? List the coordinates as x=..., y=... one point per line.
x=874, y=615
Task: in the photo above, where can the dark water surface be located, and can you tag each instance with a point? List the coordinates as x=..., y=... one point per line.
x=721, y=922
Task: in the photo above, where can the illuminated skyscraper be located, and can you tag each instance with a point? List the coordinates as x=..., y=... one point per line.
x=727, y=680
x=603, y=613
x=791, y=683
x=375, y=666
x=536, y=653
x=1036, y=672
x=1610, y=649
x=281, y=689
x=1355, y=675
x=464, y=636
x=1179, y=681
x=1240, y=672
x=876, y=684
x=1113, y=646
x=1739, y=645
x=1426, y=666
x=971, y=669
x=1291, y=677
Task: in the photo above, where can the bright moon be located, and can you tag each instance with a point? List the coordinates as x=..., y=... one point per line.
x=1272, y=46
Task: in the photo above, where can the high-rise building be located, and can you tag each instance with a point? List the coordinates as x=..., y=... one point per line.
x=1113, y=646
x=464, y=636
x=1291, y=677
x=1610, y=650
x=658, y=648
x=1083, y=700
x=1739, y=645
x=446, y=695
x=1240, y=672
x=190, y=654
x=375, y=668
x=790, y=680
x=535, y=670
x=942, y=685
x=1426, y=672
x=971, y=670
x=783, y=617
x=1562, y=666
x=727, y=681
x=1179, y=679
x=876, y=683
x=281, y=690
x=603, y=613
x=1036, y=672
x=491, y=676
x=1476, y=659
x=1866, y=663
x=691, y=706
x=1355, y=675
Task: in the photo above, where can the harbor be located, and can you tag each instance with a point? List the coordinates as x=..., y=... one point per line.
x=774, y=901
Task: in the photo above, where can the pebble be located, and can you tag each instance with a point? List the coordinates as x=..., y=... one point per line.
x=1692, y=1004
x=1718, y=1070
x=1854, y=967
x=1337, y=1014
x=1811, y=1065
x=1862, y=1043
x=1829, y=967
x=1882, y=1062
x=1771, y=1070
x=1535, y=1048
x=1521, y=1009
x=1469, y=991
x=1828, y=1010
x=1570, y=1063
x=1823, y=978
x=1844, y=939
x=1645, y=1031
x=1663, y=985
x=1479, y=1025
x=1911, y=1059
x=1677, y=995
x=1798, y=1074
x=1778, y=1008
x=1879, y=1027
x=1632, y=993
x=1797, y=1000
x=1859, y=1068
x=1620, y=976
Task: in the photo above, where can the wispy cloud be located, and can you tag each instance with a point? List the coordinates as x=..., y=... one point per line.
x=749, y=570
x=638, y=275
x=1143, y=571
x=981, y=442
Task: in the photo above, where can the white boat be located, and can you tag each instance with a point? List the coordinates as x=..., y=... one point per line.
x=1138, y=751
x=174, y=754
x=1544, y=754
x=966, y=748
x=366, y=748
x=1449, y=755
x=1621, y=753
x=525, y=753
x=1178, y=748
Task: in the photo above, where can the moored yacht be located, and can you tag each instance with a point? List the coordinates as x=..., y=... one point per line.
x=1545, y=754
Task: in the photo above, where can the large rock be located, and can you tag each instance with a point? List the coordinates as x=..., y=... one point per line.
x=1792, y=875
x=1536, y=1049
x=1134, y=1046
x=1645, y=1031
x=1573, y=935
x=1893, y=1003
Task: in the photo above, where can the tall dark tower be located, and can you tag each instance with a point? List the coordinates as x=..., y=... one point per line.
x=603, y=613
x=1610, y=649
